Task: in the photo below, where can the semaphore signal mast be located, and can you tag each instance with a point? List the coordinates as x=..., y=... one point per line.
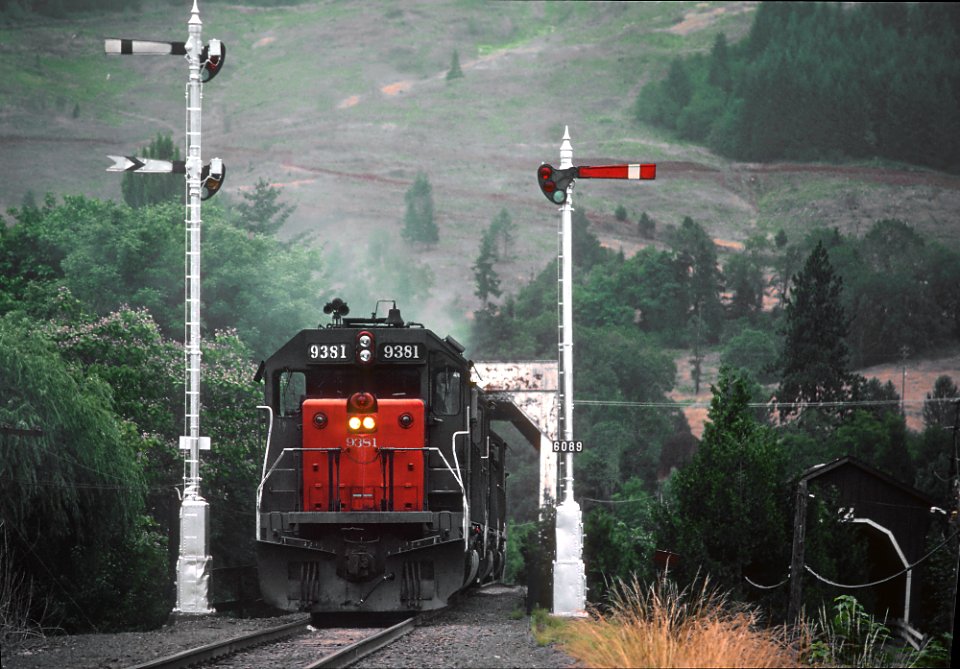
x=569, y=575
x=202, y=182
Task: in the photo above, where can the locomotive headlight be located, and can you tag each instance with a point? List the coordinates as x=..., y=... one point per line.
x=365, y=341
x=366, y=355
x=362, y=423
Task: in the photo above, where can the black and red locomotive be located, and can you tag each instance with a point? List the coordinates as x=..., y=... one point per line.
x=383, y=486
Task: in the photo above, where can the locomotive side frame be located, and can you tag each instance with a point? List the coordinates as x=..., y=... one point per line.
x=360, y=551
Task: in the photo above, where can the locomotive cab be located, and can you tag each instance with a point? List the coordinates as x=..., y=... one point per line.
x=379, y=491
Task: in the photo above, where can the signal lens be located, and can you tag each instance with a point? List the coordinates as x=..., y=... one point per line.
x=369, y=422
x=545, y=172
x=559, y=196
x=354, y=423
x=549, y=187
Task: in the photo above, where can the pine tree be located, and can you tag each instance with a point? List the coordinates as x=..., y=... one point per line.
x=696, y=251
x=729, y=495
x=487, y=281
x=938, y=410
x=501, y=230
x=719, y=74
x=455, y=72
x=140, y=190
x=646, y=226
x=418, y=224
x=260, y=213
x=815, y=357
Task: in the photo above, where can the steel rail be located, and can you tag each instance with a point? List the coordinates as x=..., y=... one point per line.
x=218, y=649
x=366, y=646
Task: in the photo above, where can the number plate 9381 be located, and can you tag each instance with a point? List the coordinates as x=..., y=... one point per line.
x=389, y=352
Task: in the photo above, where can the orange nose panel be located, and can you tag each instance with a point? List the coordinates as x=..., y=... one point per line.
x=376, y=471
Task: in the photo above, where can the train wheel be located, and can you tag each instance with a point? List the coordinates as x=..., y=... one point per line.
x=471, y=565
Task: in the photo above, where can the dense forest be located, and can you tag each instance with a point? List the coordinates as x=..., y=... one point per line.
x=786, y=398
x=823, y=81
x=91, y=381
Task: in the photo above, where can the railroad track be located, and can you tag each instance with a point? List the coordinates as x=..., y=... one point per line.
x=295, y=644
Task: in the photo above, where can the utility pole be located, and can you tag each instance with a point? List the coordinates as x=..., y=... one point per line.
x=569, y=575
x=202, y=182
x=797, y=556
x=904, y=352
x=954, y=520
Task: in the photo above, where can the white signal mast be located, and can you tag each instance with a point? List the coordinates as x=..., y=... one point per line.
x=569, y=576
x=204, y=62
x=195, y=562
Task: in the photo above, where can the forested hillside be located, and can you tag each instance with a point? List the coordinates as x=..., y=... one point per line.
x=821, y=81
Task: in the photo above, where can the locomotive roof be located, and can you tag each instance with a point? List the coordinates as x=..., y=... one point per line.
x=294, y=351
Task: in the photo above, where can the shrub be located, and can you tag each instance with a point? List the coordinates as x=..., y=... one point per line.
x=663, y=626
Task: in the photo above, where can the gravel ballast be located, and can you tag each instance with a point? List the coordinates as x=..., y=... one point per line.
x=479, y=631
x=482, y=630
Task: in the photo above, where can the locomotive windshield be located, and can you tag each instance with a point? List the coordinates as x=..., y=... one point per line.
x=328, y=382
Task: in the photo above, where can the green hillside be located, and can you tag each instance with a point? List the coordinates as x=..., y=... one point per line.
x=342, y=104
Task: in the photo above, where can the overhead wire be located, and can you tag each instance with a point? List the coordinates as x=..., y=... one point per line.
x=757, y=405
x=847, y=586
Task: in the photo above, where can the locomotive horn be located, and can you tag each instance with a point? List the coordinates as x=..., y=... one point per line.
x=338, y=308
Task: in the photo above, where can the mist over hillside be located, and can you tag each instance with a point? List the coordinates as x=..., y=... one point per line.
x=341, y=105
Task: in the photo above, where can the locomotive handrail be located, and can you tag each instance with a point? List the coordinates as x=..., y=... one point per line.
x=456, y=461
x=276, y=462
x=269, y=435
x=263, y=473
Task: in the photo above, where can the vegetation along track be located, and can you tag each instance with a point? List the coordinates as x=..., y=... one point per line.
x=295, y=644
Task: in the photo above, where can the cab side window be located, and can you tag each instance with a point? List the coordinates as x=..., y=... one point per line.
x=447, y=390
x=293, y=389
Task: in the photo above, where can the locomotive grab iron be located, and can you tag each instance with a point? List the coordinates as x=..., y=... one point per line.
x=383, y=486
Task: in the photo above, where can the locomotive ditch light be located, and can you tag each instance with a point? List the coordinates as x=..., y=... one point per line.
x=320, y=420
x=406, y=421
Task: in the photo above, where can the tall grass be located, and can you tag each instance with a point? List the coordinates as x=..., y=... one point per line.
x=664, y=626
x=17, y=605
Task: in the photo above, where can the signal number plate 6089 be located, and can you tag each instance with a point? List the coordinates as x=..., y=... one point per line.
x=400, y=353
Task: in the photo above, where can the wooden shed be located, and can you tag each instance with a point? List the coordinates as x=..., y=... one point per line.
x=895, y=519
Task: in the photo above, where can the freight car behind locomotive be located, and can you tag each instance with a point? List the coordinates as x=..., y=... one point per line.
x=383, y=486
